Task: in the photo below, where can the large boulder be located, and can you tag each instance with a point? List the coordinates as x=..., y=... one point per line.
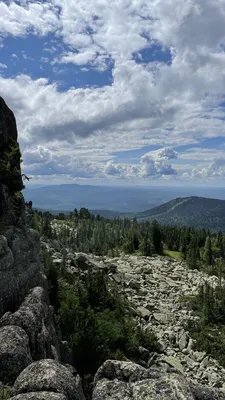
x=36, y=317
x=128, y=381
x=121, y=370
x=49, y=375
x=14, y=353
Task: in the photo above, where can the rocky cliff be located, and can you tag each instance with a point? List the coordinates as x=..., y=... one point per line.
x=19, y=245
x=31, y=354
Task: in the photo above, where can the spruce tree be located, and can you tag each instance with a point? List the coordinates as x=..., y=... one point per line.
x=207, y=256
x=156, y=237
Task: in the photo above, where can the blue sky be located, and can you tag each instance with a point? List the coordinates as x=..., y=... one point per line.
x=119, y=92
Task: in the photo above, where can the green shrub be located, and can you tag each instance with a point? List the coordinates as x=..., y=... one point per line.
x=209, y=330
x=98, y=323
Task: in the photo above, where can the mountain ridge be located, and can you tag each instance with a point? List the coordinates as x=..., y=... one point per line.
x=195, y=211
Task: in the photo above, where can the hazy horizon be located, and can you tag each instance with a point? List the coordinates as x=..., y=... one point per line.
x=120, y=199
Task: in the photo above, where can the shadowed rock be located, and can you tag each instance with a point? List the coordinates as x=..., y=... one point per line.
x=14, y=352
x=8, y=127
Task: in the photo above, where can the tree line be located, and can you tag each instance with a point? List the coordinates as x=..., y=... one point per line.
x=84, y=232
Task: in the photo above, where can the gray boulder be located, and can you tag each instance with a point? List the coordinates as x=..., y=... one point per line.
x=48, y=375
x=121, y=370
x=14, y=352
x=125, y=380
x=39, y=396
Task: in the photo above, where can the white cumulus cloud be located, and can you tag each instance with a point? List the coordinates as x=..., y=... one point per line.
x=155, y=163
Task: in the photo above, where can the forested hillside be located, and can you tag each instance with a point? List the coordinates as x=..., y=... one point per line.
x=197, y=212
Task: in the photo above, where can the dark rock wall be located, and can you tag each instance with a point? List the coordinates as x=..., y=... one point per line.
x=28, y=333
x=19, y=245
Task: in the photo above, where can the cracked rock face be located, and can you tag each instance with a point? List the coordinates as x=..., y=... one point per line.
x=35, y=317
x=14, y=352
x=19, y=266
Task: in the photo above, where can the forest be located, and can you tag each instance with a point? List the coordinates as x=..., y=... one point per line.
x=84, y=232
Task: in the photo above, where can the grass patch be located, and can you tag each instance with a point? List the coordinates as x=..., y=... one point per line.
x=177, y=255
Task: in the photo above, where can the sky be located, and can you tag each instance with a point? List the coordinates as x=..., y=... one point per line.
x=119, y=92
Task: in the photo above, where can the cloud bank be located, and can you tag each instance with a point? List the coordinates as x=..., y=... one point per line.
x=171, y=100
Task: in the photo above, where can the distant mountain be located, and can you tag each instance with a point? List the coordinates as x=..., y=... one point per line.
x=120, y=199
x=193, y=211
x=197, y=212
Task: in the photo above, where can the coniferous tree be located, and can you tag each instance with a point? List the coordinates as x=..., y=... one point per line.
x=192, y=255
x=207, y=256
x=156, y=237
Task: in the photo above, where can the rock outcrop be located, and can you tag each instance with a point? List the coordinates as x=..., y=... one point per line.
x=31, y=353
x=19, y=245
